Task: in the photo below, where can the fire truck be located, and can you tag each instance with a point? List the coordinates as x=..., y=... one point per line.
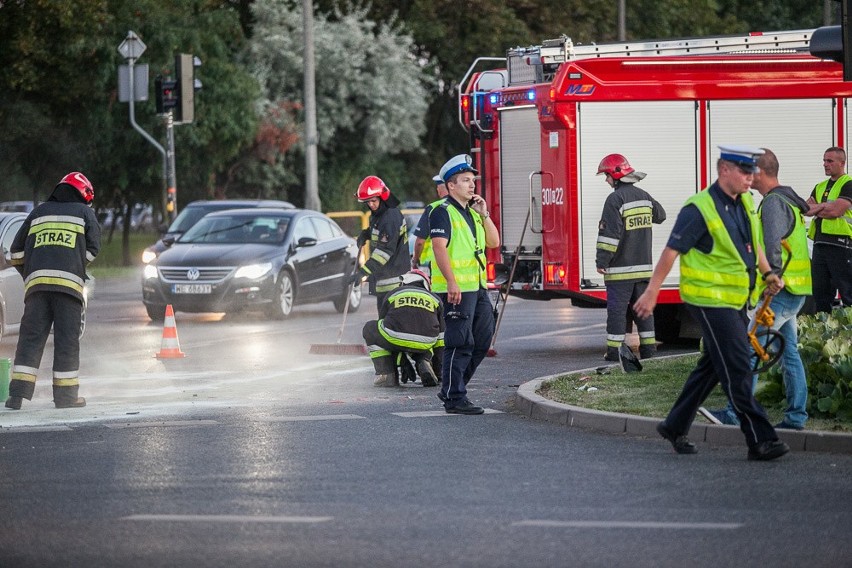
x=542, y=120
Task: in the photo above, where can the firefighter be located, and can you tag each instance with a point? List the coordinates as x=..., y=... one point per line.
x=388, y=238
x=460, y=229
x=624, y=252
x=51, y=251
x=717, y=237
x=422, y=245
x=411, y=322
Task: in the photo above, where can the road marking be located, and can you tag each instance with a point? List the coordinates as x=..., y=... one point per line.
x=161, y=424
x=306, y=418
x=16, y=429
x=225, y=519
x=627, y=525
x=425, y=413
x=565, y=331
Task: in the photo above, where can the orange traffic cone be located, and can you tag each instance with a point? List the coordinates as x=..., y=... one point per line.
x=170, y=348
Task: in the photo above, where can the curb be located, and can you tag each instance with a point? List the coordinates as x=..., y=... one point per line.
x=529, y=403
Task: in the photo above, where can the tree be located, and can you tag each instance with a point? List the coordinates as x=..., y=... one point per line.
x=371, y=90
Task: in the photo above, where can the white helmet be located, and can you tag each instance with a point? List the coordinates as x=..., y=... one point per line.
x=416, y=277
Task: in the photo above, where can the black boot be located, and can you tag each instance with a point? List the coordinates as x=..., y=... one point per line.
x=14, y=402
x=427, y=375
x=612, y=354
x=647, y=351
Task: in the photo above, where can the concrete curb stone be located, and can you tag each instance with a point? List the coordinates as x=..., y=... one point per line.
x=529, y=403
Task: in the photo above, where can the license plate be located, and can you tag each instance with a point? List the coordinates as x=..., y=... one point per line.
x=192, y=288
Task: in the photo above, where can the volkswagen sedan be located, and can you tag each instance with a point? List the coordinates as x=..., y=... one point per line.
x=244, y=259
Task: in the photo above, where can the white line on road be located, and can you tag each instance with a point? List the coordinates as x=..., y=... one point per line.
x=161, y=424
x=568, y=331
x=425, y=413
x=225, y=519
x=17, y=429
x=306, y=418
x=626, y=525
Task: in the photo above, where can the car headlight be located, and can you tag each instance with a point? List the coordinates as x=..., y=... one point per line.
x=148, y=256
x=253, y=271
x=150, y=271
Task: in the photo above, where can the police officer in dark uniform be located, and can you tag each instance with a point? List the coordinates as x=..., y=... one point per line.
x=717, y=236
x=410, y=322
x=388, y=238
x=624, y=252
x=51, y=251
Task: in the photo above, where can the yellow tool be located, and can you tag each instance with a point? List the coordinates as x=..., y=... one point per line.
x=768, y=344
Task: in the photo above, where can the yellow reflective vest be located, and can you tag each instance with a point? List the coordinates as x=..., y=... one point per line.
x=842, y=225
x=797, y=276
x=467, y=253
x=719, y=279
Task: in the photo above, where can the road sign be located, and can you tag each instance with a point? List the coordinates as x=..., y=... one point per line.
x=132, y=47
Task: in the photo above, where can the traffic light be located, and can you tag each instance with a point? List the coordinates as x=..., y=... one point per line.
x=165, y=94
x=187, y=84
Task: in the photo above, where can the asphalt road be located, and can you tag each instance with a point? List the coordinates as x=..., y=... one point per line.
x=250, y=451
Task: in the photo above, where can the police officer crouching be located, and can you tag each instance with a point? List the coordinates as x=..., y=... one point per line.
x=410, y=322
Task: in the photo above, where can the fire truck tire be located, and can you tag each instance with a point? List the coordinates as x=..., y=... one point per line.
x=667, y=323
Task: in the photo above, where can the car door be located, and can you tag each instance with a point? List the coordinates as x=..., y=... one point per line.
x=333, y=256
x=11, y=283
x=307, y=260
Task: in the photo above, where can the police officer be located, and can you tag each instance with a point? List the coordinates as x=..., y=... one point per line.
x=780, y=212
x=422, y=246
x=388, y=237
x=410, y=321
x=717, y=236
x=831, y=232
x=624, y=252
x=461, y=229
x=51, y=251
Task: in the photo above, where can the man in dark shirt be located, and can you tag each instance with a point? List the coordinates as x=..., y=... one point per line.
x=717, y=238
x=831, y=232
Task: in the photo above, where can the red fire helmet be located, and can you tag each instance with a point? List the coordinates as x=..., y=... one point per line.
x=371, y=187
x=615, y=165
x=81, y=183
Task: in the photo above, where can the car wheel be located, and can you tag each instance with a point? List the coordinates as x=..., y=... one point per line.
x=156, y=312
x=354, y=300
x=285, y=296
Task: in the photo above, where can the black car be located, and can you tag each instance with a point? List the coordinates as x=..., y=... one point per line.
x=239, y=259
x=194, y=211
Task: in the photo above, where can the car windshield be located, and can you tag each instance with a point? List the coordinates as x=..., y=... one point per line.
x=187, y=218
x=237, y=229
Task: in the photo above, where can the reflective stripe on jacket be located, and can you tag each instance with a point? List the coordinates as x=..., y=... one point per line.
x=842, y=225
x=797, y=276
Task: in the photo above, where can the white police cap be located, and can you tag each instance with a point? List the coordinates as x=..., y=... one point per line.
x=456, y=164
x=438, y=180
x=743, y=156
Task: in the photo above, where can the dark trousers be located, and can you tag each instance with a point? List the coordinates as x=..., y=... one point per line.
x=41, y=311
x=620, y=296
x=831, y=271
x=385, y=354
x=467, y=338
x=726, y=360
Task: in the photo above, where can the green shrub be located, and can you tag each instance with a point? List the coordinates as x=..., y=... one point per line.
x=825, y=345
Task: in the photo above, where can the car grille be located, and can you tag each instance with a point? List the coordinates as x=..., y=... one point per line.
x=207, y=275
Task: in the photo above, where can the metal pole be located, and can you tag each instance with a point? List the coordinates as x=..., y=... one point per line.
x=138, y=128
x=622, y=20
x=171, y=173
x=312, y=200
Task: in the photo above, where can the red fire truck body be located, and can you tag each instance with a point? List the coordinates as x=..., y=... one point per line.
x=540, y=127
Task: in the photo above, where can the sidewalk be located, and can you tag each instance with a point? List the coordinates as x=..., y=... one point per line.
x=531, y=404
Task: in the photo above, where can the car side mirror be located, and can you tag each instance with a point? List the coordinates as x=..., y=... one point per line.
x=169, y=241
x=306, y=242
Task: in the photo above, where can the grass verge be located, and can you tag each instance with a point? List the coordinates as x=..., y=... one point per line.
x=651, y=392
x=110, y=260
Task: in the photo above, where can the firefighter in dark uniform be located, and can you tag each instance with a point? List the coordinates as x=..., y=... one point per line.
x=718, y=239
x=624, y=252
x=51, y=251
x=388, y=238
x=411, y=322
